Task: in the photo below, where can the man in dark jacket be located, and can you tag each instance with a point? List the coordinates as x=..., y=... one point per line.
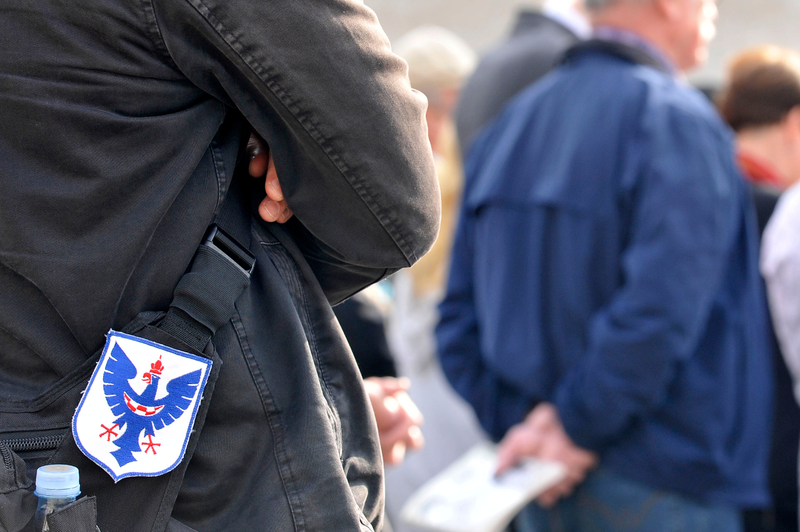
x=122, y=126
x=604, y=304
x=536, y=45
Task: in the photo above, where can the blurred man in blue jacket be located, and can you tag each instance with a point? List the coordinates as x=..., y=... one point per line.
x=604, y=305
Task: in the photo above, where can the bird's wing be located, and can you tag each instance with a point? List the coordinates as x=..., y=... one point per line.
x=180, y=392
x=119, y=370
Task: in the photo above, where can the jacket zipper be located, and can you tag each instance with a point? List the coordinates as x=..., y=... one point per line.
x=34, y=443
x=8, y=460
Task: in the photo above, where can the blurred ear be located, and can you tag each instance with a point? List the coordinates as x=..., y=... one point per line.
x=793, y=117
x=791, y=125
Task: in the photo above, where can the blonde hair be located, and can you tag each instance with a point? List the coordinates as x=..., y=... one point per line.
x=430, y=273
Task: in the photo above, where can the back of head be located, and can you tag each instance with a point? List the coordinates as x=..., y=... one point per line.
x=438, y=59
x=763, y=86
x=680, y=29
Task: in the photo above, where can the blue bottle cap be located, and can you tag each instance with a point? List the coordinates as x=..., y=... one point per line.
x=57, y=481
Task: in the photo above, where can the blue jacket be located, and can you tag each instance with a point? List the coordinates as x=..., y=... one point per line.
x=606, y=261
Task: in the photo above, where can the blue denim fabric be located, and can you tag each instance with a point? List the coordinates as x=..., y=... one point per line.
x=609, y=503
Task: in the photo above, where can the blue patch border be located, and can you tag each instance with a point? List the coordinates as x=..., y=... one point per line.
x=200, y=389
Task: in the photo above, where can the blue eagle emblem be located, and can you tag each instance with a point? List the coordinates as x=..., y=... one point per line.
x=135, y=421
x=139, y=413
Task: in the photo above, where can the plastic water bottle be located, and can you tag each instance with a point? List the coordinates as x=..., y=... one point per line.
x=56, y=486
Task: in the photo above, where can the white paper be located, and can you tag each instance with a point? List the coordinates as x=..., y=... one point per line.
x=466, y=497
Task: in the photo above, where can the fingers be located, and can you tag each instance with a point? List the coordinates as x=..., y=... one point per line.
x=392, y=385
x=272, y=185
x=518, y=443
x=550, y=497
x=408, y=407
x=395, y=454
x=397, y=417
x=542, y=435
x=274, y=211
x=415, y=439
x=394, y=441
x=274, y=207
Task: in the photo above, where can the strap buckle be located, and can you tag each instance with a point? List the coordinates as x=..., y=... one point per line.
x=225, y=245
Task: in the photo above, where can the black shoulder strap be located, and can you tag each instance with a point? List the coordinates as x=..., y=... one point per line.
x=204, y=297
x=203, y=302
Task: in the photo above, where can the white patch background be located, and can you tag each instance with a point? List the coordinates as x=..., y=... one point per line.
x=94, y=410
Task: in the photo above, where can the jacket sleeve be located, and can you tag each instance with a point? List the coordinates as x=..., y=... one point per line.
x=317, y=80
x=780, y=265
x=687, y=210
x=498, y=405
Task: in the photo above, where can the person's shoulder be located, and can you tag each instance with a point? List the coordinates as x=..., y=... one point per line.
x=536, y=38
x=624, y=74
x=672, y=105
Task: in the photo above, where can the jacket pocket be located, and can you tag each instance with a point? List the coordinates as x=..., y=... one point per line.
x=80, y=516
x=34, y=447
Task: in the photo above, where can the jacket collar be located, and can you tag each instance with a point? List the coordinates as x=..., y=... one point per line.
x=635, y=54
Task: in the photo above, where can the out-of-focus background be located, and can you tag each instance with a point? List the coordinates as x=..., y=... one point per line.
x=441, y=40
x=742, y=23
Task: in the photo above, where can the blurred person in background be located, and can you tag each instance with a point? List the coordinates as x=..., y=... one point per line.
x=604, y=307
x=438, y=63
x=780, y=265
x=362, y=318
x=537, y=43
x=761, y=102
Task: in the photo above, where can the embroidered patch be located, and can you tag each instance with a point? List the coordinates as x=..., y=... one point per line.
x=138, y=411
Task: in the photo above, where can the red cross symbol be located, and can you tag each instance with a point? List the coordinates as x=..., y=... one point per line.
x=108, y=432
x=149, y=445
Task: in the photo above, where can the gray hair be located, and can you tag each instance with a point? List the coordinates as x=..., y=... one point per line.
x=599, y=4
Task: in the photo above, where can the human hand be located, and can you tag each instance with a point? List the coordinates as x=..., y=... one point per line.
x=397, y=416
x=273, y=208
x=541, y=435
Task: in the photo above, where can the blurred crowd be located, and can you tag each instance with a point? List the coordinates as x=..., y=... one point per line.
x=616, y=283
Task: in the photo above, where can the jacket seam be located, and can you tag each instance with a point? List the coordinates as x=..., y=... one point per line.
x=287, y=269
x=270, y=412
x=154, y=31
x=217, y=161
x=262, y=72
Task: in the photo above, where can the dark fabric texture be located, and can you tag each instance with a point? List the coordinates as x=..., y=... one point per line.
x=141, y=106
x=606, y=260
x=122, y=123
x=535, y=46
x=80, y=516
x=363, y=326
x=17, y=501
